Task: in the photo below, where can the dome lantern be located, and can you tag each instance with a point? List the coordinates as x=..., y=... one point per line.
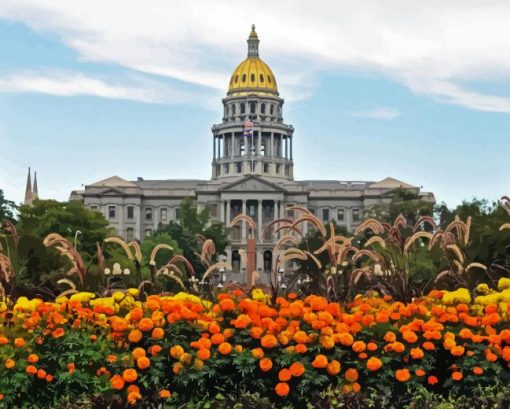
x=253, y=43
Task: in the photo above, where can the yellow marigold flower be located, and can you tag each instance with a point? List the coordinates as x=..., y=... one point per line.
x=503, y=284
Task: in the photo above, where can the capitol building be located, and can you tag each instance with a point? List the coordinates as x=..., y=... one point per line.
x=252, y=174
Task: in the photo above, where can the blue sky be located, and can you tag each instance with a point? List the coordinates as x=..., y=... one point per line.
x=91, y=89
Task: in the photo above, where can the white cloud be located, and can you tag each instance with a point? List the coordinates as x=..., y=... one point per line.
x=65, y=83
x=432, y=47
x=385, y=113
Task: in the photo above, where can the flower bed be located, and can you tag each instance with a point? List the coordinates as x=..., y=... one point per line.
x=175, y=349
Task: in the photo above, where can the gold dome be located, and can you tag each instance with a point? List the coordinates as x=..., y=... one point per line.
x=252, y=76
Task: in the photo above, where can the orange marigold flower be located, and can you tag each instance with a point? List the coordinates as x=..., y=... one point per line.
x=265, y=364
x=390, y=337
x=429, y=346
x=301, y=348
x=165, y=394
x=19, y=342
x=3, y=340
x=356, y=387
x=227, y=304
x=138, y=353
x=419, y=372
x=297, y=369
x=158, y=333
x=204, y=354
x=10, y=363
x=477, y=370
x=284, y=375
x=417, y=353
x=217, y=339
x=432, y=380
x=41, y=373
x=402, y=375
x=133, y=397
x=282, y=389
x=410, y=336
x=457, y=350
x=374, y=364
x=111, y=359
x=457, y=376
x=257, y=353
x=214, y=328
x=71, y=367
x=269, y=341
x=185, y=358
x=225, y=348
x=132, y=388
x=143, y=362
x=31, y=370
x=33, y=358
x=372, y=346
x=177, y=368
x=320, y=361
x=130, y=375
x=256, y=332
x=117, y=382
x=58, y=333
x=135, y=336
x=351, y=375
x=333, y=367
x=48, y=378
x=146, y=324
x=359, y=346
x=176, y=351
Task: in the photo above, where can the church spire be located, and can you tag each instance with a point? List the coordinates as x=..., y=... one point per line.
x=35, y=193
x=253, y=43
x=28, y=190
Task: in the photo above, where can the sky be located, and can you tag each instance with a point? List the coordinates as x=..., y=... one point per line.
x=418, y=91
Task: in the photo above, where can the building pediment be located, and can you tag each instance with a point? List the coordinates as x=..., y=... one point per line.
x=111, y=191
x=253, y=184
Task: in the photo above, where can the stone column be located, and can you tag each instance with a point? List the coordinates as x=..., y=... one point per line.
x=228, y=213
x=222, y=211
x=271, y=146
x=259, y=218
x=214, y=148
x=286, y=148
x=243, y=223
x=291, y=148
x=259, y=143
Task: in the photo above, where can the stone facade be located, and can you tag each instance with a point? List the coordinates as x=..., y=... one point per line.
x=252, y=173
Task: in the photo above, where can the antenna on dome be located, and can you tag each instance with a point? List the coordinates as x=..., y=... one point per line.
x=253, y=43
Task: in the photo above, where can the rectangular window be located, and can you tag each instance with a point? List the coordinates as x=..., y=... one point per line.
x=177, y=213
x=111, y=212
x=325, y=215
x=213, y=210
x=356, y=215
x=93, y=207
x=163, y=214
x=148, y=213
x=226, y=168
x=340, y=215
x=266, y=167
x=239, y=167
x=130, y=212
x=130, y=234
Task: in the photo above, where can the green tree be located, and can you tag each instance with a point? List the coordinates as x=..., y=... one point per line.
x=69, y=219
x=193, y=222
x=7, y=208
x=405, y=202
x=487, y=244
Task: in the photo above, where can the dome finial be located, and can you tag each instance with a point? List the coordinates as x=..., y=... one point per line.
x=253, y=43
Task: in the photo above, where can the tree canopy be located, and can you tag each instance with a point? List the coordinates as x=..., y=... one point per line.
x=7, y=208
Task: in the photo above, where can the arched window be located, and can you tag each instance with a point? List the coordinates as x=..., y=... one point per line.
x=244, y=78
x=253, y=107
x=243, y=108
x=236, y=261
x=261, y=78
x=268, y=260
x=233, y=109
x=263, y=108
x=252, y=77
x=271, y=110
x=269, y=79
x=237, y=79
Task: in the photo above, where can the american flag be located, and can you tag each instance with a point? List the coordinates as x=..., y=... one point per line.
x=248, y=128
